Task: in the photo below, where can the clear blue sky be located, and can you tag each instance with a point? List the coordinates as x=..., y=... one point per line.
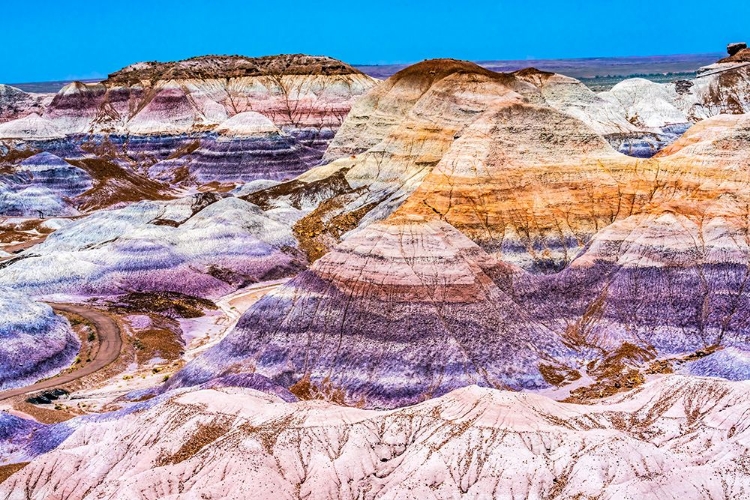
x=44, y=40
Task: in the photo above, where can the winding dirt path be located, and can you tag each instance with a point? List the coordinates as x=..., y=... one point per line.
x=110, y=343
x=110, y=340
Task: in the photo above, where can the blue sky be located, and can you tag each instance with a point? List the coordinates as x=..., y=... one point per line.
x=53, y=40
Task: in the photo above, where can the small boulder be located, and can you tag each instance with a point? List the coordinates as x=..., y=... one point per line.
x=733, y=48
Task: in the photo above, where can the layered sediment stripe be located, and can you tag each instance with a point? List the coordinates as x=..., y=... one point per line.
x=402, y=311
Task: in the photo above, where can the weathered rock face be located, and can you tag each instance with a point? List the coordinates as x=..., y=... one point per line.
x=36, y=343
x=398, y=133
x=733, y=48
x=674, y=438
x=665, y=272
x=721, y=88
x=517, y=181
x=161, y=98
x=743, y=56
x=233, y=159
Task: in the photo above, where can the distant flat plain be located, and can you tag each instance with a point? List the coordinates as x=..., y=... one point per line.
x=599, y=73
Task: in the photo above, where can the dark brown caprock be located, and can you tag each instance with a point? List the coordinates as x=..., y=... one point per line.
x=733, y=48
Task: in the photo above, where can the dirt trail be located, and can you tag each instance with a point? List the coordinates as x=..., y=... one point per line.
x=110, y=340
x=110, y=343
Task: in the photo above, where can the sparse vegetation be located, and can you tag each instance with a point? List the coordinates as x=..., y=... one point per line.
x=169, y=304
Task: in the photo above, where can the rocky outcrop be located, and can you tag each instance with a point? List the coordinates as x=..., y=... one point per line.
x=445, y=112
x=36, y=343
x=737, y=53
x=742, y=56
x=733, y=48
x=675, y=438
x=721, y=88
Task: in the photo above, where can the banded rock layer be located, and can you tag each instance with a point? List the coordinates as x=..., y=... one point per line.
x=42, y=185
x=36, y=343
x=186, y=117
x=202, y=245
x=349, y=327
x=530, y=254
x=164, y=98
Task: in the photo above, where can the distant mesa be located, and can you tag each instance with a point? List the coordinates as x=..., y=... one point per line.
x=212, y=67
x=224, y=119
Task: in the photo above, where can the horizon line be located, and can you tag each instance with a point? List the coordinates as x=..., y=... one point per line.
x=382, y=64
